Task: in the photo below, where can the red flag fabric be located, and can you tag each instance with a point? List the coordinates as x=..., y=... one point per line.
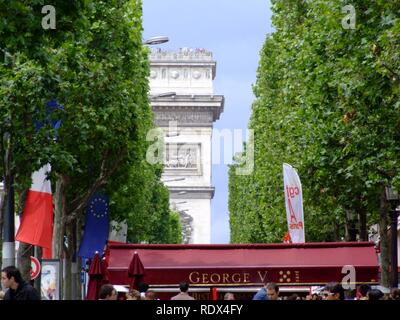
x=136, y=271
x=37, y=219
x=47, y=253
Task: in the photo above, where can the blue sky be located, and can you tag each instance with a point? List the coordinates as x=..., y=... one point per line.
x=234, y=31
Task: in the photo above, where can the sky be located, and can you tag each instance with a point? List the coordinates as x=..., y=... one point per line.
x=234, y=31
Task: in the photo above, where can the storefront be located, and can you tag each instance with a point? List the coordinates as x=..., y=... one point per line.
x=213, y=270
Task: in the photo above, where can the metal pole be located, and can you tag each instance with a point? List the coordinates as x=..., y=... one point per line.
x=8, y=250
x=393, y=248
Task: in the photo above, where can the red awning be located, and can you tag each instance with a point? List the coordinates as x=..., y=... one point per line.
x=246, y=264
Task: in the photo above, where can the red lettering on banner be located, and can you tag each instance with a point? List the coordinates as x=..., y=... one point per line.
x=293, y=218
x=292, y=191
x=296, y=225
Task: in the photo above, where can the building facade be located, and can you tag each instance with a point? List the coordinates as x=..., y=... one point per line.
x=185, y=107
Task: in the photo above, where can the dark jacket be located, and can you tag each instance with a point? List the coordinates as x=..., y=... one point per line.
x=24, y=292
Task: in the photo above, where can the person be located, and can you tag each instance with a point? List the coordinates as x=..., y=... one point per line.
x=18, y=289
x=375, y=294
x=335, y=291
x=395, y=294
x=272, y=291
x=261, y=294
x=229, y=296
x=108, y=292
x=350, y=294
x=294, y=296
x=315, y=297
x=363, y=290
x=143, y=287
x=150, y=295
x=183, y=295
x=133, y=295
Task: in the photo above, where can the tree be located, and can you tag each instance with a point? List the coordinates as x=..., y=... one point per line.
x=146, y=212
x=94, y=65
x=327, y=102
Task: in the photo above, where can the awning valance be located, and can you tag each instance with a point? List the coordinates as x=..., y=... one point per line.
x=246, y=264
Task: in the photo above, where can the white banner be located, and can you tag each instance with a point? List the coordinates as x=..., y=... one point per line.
x=294, y=204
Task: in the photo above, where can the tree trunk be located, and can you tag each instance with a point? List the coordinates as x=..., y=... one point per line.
x=78, y=279
x=350, y=227
x=79, y=235
x=384, y=240
x=2, y=198
x=74, y=262
x=336, y=231
x=38, y=280
x=59, y=214
x=362, y=217
x=25, y=251
x=8, y=204
x=68, y=265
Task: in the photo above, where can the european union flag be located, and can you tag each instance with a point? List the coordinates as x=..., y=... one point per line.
x=51, y=107
x=96, y=226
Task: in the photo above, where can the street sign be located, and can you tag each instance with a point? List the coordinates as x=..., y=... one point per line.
x=35, y=268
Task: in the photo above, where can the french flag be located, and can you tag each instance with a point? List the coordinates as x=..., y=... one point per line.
x=36, y=226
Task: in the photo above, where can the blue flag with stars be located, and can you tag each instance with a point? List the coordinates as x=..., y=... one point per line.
x=96, y=226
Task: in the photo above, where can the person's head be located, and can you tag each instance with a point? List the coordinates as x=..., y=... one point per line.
x=150, y=295
x=294, y=296
x=107, y=292
x=335, y=291
x=349, y=294
x=314, y=296
x=272, y=291
x=143, y=287
x=229, y=296
x=184, y=286
x=11, y=277
x=364, y=288
x=395, y=294
x=375, y=294
x=133, y=295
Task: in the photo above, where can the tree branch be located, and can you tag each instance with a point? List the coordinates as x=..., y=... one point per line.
x=391, y=71
x=80, y=203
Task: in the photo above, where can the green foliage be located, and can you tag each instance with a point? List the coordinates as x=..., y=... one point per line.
x=94, y=64
x=143, y=201
x=327, y=103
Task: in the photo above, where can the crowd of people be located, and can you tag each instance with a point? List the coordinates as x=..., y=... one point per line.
x=18, y=289
x=332, y=291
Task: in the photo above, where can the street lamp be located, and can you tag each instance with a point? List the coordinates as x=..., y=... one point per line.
x=155, y=40
x=393, y=197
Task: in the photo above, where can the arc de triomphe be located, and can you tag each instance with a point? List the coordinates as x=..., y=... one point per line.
x=186, y=118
